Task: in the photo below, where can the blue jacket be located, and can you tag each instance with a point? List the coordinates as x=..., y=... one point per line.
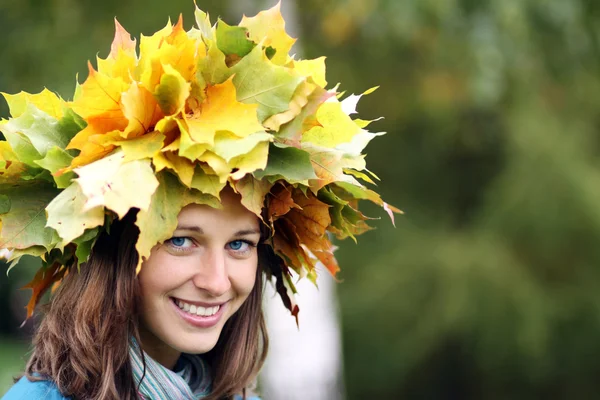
x=26, y=390
x=45, y=390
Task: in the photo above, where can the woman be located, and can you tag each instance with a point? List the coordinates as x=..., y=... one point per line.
x=162, y=194
x=198, y=293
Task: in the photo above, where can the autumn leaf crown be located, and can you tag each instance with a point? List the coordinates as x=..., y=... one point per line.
x=192, y=112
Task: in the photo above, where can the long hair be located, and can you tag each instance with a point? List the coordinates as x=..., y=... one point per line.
x=82, y=342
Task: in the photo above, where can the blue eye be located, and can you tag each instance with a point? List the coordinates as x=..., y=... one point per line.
x=237, y=245
x=180, y=243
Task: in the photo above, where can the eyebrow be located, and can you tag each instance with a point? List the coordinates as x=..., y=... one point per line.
x=195, y=228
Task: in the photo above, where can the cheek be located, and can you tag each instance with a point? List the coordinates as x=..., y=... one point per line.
x=243, y=278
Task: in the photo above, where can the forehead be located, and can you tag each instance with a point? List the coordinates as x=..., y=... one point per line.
x=232, y=215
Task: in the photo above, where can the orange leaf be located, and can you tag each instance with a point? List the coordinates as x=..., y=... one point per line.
x=41, y=282
x=141, y=109
x=280, y=202
x=311, y=222
x=287, y=245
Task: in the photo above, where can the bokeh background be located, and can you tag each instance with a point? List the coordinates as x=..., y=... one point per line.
x=489, y=286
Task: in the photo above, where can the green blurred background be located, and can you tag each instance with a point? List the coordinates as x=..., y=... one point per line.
x=489, y=287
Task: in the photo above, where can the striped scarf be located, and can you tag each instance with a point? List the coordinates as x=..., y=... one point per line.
x=192, y=380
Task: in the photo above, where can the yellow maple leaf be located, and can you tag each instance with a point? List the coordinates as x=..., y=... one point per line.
x=335, y=126
x=141, y=110
x=312, y=68
x=222, y=112
x=269, y=27
x=100, y=95
x=45, y=101
x=122, y=60
x=169, y=46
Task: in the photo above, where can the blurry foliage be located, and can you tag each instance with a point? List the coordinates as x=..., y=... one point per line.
x=489, y=287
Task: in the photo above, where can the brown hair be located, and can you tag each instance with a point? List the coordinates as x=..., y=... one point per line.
x=82, y=342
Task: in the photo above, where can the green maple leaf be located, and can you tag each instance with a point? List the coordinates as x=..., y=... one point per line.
x=233, y=39
x=24, y=222
x=42, y=131
x=55, y=160
x=289, y=163
x=228, y=145
x=212, y=68
x=261, y=82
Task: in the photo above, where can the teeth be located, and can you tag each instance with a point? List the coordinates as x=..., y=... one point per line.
x=198, y=310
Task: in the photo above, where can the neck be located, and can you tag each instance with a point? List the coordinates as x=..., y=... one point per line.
x=158, y=350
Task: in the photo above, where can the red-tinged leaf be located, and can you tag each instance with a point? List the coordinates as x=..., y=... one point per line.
x=43, y=280
x=286, y=244
x=327, y=258
x=122, y=41
x=311, y=221
x=291, y=133
x=280, y=202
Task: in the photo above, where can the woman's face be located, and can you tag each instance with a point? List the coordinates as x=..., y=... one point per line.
x=195, y=281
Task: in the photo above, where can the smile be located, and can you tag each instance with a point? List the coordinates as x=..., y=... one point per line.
x=197, y=310
x=205, y=316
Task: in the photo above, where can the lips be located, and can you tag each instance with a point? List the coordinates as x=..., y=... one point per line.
x=200, y=316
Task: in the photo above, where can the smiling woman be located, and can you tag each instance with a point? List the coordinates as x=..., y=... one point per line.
x=163, y=196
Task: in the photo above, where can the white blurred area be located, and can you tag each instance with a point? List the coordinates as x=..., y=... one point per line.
x=305, y=362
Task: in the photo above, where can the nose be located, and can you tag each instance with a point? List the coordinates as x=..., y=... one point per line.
x=211, y=275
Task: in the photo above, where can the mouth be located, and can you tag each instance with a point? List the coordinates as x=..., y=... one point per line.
x=201, y=316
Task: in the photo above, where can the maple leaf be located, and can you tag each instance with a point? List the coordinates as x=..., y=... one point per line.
x=352, y=191
x=280, y=201
x=291, y=132
x=33, y=133
x=259, y=81
x=169, y=46
x=329, y=166
x=335, y=126
x=228, y=146
x=100, y=97
x=233, y=39
x=207, y=183
x=299, y=100
x=183, y=167
x=268, y=28
x=203, y=23
x=55, y=160
x=11, y=169
x=221, y=111
x=146, y=146
x=311, y=221
x=42, y=281
x=141, y=110
x=121, y=61
x=253, y=192
x=45, y=101
x=96, y=146
x=315, y=69
x=213, y=69
x=288, y=163
x=24, y=223
x=117, y=185
x=172, y=91
x=250, y=162
x=67, y=216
